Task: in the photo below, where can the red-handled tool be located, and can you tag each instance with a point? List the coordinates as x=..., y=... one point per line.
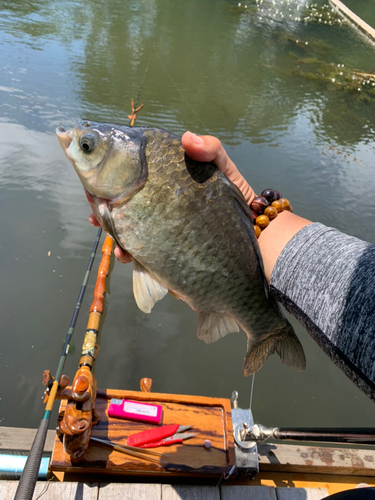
x=152, y=437
x=175, y=439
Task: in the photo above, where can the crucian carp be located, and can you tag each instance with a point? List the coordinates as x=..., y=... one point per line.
x=188, y=229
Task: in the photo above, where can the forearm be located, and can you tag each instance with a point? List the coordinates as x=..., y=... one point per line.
x=274, y=238
x=326, y=279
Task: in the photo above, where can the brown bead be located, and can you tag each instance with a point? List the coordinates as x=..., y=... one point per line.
x=285, y=203
x=289, y=208
x=277, y=195
x=271, y=212
x=259, y=204
x=257, y=231
x=262, y=221
x=278, y=205
x=269, y=195
x=255, y=215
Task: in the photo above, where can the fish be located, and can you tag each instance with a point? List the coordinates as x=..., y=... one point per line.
x=189, y=232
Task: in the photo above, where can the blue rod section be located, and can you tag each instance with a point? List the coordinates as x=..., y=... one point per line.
x=12, y=466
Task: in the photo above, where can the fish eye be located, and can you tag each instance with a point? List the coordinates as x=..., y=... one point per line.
x=87, y=142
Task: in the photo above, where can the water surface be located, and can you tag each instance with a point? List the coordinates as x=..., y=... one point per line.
x=238, y=72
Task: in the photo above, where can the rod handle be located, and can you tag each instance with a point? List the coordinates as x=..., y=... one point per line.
x=26, y=485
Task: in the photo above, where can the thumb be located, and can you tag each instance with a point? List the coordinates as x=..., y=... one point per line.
x=208, y=148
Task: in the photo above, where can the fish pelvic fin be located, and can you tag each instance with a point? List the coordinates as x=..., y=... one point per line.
x=147, y=291
x=214, y=326
x=285, y=344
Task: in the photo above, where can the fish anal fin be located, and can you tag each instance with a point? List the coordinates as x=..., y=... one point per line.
x=147, y=291
x=214, y=326
x=285, y=344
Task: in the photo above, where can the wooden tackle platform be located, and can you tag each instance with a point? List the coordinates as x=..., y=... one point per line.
x=210, y=419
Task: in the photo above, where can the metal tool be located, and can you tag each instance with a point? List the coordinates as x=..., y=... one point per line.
x=160, y=436
x=134, y=452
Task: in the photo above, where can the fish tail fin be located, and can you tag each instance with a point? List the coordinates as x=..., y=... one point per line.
x=285, y=343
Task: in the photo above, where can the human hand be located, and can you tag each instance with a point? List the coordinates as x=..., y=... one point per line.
x=201, y=148
x=209, y=148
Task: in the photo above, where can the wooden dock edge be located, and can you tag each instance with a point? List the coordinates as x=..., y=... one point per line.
x=309, y=459
x=101, y=491
x=18, y=439
x=296, y=458
x=353, y=18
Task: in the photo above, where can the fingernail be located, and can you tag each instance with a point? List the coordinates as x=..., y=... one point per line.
x=196, y=138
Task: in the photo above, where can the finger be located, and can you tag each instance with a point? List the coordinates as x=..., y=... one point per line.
x=122, y=256
x=209, y=148
x=93, y=220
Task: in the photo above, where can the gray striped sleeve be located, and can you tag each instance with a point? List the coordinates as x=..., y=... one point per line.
x=326, y=279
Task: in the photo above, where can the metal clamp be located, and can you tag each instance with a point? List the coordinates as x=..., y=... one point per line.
x=246, y=451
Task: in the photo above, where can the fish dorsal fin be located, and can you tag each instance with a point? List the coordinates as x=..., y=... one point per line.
x=147, y=291
x=214, y=326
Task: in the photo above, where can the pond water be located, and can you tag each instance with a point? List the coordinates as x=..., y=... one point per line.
x=245, y=73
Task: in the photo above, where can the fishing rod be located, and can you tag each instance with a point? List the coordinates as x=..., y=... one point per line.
x=80, y=413
x=348, y=435
x=84, y=383
x=29, y=475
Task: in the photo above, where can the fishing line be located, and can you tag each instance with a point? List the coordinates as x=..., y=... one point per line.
x=179, y=91
x=45, y=488
x=143, y=81
x=251, y=392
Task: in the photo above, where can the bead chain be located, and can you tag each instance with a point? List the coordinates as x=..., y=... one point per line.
x=266, y=207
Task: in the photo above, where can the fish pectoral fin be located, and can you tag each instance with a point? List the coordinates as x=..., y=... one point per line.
x=214, y=326
x=174, y=295
x=285, y=343
x=147, y=291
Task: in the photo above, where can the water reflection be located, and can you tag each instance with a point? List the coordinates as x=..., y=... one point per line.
x=33, y=161
x=246, y=74
x=242, y=78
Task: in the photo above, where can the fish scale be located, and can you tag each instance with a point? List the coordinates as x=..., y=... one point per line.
x=189, y=230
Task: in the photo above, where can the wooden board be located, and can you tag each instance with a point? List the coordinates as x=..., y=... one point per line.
x=19, y=439
x=301, y=493
x=53, y=491
x=210, y=418
x=132, y=491
x=316, y=459
x=247, y=493
x=182, y=492
x=294, y=481
x=356, y=20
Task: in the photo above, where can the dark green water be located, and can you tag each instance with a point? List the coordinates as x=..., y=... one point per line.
x=210, y=67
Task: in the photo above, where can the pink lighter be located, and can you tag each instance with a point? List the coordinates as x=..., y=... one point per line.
x=134, y=410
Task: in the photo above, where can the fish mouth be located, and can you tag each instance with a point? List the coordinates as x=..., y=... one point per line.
x=65, y=137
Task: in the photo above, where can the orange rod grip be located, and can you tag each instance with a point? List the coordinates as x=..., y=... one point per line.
x=103, y=271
